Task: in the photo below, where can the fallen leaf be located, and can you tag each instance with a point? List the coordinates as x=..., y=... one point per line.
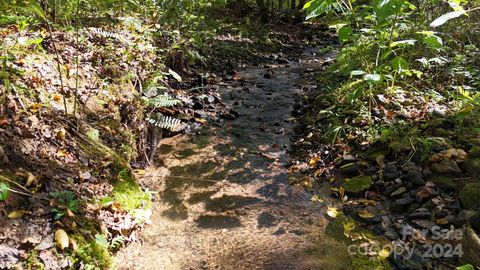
x=35, y=107
x=62, y=153
x=384, y=253
x=30, y=179
x=57, y=98
x=61, y=238
x=333, y=212
x=349, y=226
x=314, y=160
x=17, y=214
x=442, y=221
x=366, y=214
x=61, y=134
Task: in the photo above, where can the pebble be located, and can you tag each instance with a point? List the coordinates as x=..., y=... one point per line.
x=420, y=215
x=422, y=223
x=390, y=171
x=398, y=191
x=415, y=177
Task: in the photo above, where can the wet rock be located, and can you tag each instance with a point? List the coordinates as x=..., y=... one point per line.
x=197, y=105
x=464, y=217
x=415, y=177
x=350, y=169
x=420, y=214
x=471, y=248
x=402, y=202
x=469, y=196
x=475, y=221
x=472, y=167
x=391, y=188
x=231, y=115
x=283, y=61
x=390, y=171
x=403, y=263
x=358, y=184
x=424, y=193
x=446, y=166
x=200, y=114
x=423, y=223
x=390, y=234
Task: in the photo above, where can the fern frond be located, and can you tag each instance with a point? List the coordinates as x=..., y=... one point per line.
x=162, y=101
x=117, y=242
x=108, y=34
x=161, y=121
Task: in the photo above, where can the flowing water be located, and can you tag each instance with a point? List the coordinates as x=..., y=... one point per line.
x=224, y=195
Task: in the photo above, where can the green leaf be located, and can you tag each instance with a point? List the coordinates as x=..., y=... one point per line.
x=399, y=64
x=4, y=191
x=446, y=17
x=356, y=94
x=402, y=43
x=372, y=78
x=175, y=75
x=465, y=267
x=435, y=42
x=386, y=8
x=316, y=8
x=344, y=33
x=100, y=240
x=357, y=72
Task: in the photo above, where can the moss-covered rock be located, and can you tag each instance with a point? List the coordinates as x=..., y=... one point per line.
x=443, y=181
x=358, y=184
x=469, y=196
x=472, y=167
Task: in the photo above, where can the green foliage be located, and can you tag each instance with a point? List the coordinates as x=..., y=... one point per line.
x=64, y=201
x=389, y=50
x=4, y=191
x=128, y=193
x=162, y=121
x=162, y=101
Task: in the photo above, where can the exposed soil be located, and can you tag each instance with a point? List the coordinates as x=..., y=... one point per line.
x=224, y=195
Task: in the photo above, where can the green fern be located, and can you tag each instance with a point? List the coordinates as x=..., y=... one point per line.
x=108, y=34
x=117, y=242
x=162, y=101
x=162, y=121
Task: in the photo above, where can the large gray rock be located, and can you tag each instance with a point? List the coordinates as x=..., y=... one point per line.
x=471, y=248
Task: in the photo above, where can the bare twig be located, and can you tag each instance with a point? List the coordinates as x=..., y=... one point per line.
x=76, y=60
x=14, y=183
x=59, y=66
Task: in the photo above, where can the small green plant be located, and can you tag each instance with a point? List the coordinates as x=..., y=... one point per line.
x=4, y=191
x=64, y=203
